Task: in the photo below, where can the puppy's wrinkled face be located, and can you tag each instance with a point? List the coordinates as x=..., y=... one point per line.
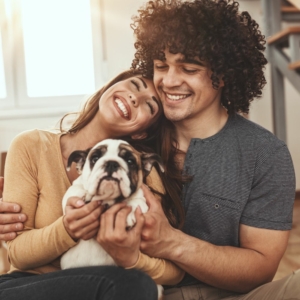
x=113, y=170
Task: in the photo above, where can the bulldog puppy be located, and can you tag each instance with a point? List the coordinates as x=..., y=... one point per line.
x=112, y=171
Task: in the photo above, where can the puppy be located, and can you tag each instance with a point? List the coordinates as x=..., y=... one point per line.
x=112, y=171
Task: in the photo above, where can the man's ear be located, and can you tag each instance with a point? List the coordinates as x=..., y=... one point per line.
x=139, y=136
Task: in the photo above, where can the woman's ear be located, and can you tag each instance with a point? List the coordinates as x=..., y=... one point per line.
x=139, y=136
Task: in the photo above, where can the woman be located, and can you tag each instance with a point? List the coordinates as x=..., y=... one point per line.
x=127, y=107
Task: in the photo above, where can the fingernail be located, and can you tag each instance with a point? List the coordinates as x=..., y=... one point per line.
x=21, y=218
x=18, y=226
x=16, y=208
x=80, y=202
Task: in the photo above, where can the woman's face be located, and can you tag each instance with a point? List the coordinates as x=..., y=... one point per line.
x=129, y=106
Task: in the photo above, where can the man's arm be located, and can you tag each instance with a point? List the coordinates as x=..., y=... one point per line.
x=11, y=220
x=236, y=269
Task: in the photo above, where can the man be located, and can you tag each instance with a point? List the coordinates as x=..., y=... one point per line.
x=207, y=63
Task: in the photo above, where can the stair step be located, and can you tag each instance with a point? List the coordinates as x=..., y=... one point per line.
x=283, y=35
x=289, y=9
x=295, y=65
x=296, y=3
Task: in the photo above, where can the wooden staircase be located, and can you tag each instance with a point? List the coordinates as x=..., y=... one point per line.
x=283, y=53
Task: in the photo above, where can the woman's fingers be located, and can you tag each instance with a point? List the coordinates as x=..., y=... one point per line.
x=84, y=221
x=108, y=219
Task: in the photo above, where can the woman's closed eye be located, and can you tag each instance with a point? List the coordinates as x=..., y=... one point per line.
x=136, y=84
x=152, y=110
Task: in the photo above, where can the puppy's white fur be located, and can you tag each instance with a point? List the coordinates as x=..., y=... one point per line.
x=111, y=170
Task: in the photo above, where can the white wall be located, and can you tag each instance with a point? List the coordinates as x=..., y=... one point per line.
x=119, y=43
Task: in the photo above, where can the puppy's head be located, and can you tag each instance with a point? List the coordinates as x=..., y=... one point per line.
x=112, y=169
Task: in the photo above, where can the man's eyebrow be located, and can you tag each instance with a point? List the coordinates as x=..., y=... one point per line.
x=143, y=81
x=190, y=61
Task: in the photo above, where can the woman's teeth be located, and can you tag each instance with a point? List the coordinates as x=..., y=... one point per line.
x=122, y=107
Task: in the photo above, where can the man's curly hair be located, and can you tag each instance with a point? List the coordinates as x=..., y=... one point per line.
x=212, y=30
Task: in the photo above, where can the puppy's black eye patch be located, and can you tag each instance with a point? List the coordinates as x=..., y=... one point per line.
x=128, y=157
x=96, y=154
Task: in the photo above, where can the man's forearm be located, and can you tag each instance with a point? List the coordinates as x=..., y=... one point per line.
x=225, y=267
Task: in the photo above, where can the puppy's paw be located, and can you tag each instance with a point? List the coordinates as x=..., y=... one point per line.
x=160, y=291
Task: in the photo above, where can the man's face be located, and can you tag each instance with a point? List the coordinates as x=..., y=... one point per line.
x=185, y=88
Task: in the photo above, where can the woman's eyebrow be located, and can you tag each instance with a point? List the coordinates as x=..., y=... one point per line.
x=144, y=83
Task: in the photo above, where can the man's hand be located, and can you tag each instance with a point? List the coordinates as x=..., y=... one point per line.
x=11, y=220
x=121, y=244
x=157, y=231
x=82, y=220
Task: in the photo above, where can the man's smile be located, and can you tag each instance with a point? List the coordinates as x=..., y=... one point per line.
x=176, y=97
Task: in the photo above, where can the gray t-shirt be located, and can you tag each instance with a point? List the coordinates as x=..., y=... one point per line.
x=242, y=174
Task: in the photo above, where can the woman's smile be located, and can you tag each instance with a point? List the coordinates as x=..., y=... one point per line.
x=123, y=108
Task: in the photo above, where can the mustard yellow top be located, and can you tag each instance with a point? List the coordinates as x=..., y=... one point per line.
x=36, y=179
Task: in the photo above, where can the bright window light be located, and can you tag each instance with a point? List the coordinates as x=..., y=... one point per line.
x=2, y=76
x=58, y=47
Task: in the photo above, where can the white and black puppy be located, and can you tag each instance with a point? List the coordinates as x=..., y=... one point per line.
x=112, y=171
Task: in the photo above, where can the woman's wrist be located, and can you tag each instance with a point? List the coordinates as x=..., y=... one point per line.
x=136, y=263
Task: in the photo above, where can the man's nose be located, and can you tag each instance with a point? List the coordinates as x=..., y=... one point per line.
x=171, y=78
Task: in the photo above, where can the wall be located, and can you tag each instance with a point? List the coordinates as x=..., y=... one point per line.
x=119, y=49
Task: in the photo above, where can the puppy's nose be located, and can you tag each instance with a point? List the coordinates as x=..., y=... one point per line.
x=111, y=166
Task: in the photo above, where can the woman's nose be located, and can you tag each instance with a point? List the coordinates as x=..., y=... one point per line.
x=133, y=100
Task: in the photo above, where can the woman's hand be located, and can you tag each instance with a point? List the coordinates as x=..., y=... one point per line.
x=82, y=220
x=121, y=244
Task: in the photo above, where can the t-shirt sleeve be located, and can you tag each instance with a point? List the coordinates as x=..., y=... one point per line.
x=32, y=247
x=270, y=203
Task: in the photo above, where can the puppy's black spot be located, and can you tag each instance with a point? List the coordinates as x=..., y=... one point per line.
x=129, y=158
x=111, y=166
x=96, y=154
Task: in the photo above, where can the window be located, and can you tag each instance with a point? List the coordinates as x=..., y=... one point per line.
x=50, y=54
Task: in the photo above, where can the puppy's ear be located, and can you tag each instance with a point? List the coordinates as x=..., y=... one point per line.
x=148, y=159
x=79, y=158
